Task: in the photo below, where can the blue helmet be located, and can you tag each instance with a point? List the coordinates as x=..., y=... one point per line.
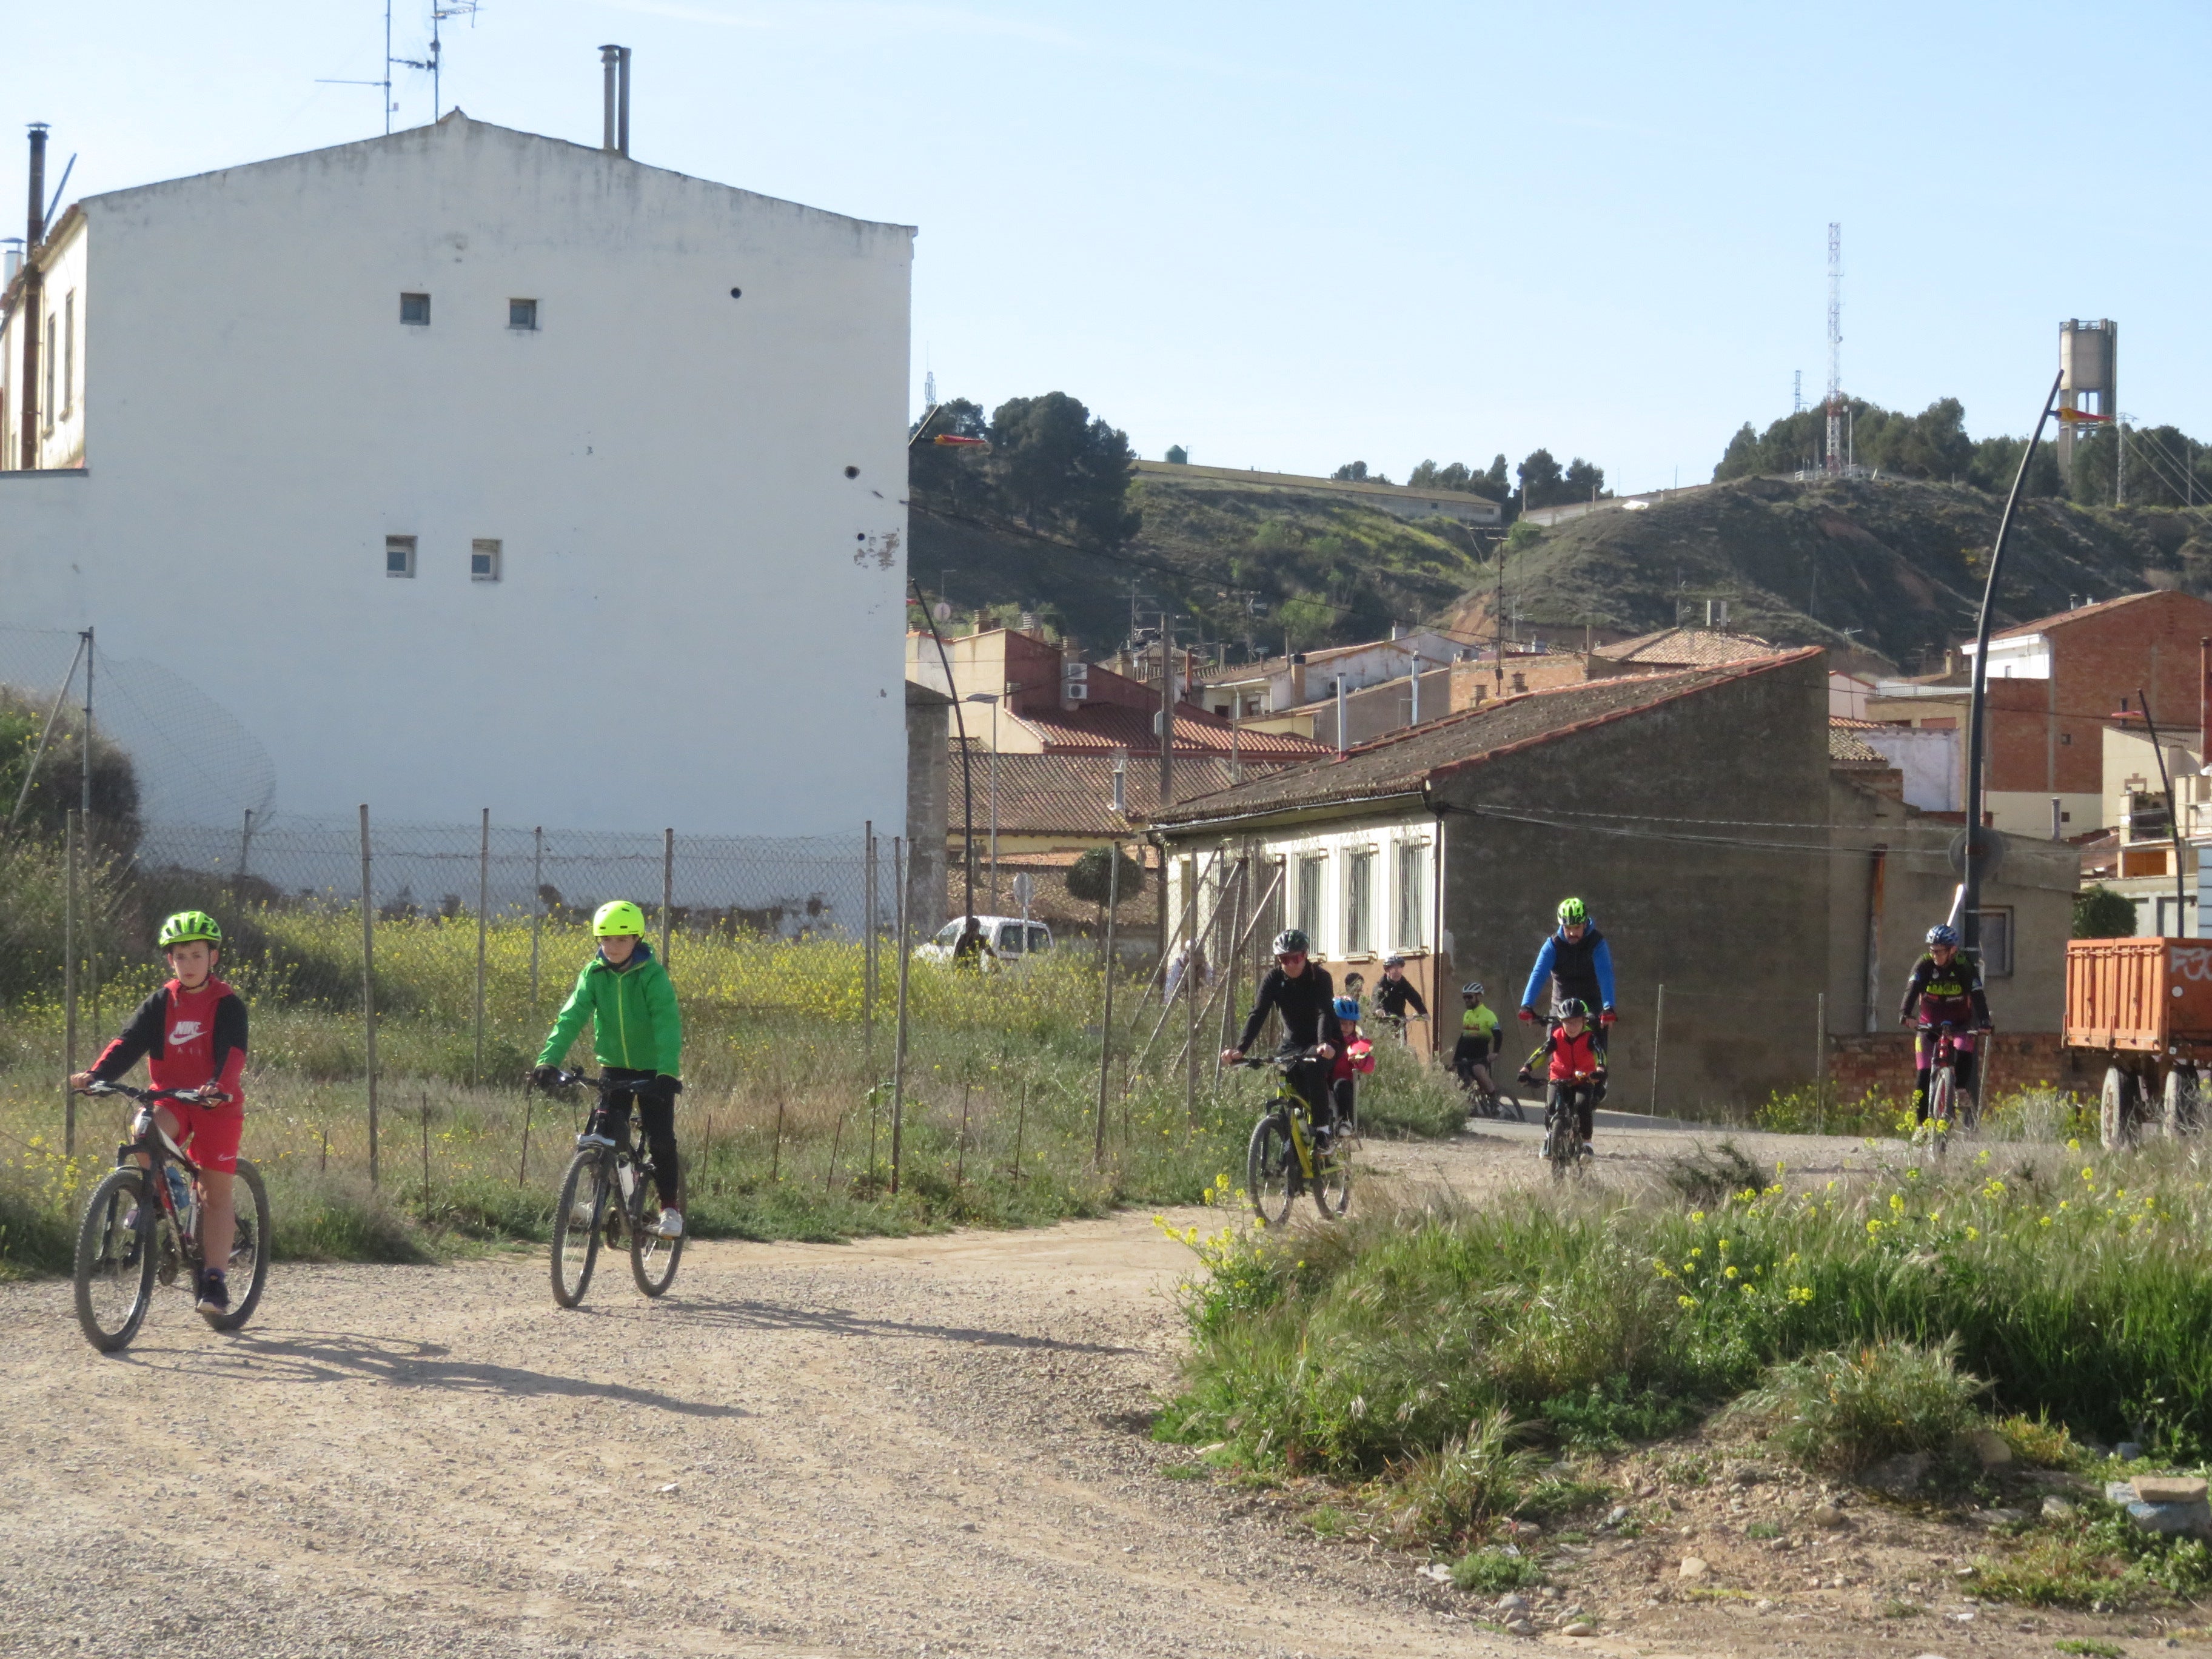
x=1347, y=1007
x=1943, y=933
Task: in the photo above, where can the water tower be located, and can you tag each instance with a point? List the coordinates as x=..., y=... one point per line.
x=2088, y=360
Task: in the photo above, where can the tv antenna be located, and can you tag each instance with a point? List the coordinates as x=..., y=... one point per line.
x=439, y=12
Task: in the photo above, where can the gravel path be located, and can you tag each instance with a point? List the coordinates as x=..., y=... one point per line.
x=913, y=1447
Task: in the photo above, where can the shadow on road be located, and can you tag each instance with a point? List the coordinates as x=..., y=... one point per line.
x=343, y=1357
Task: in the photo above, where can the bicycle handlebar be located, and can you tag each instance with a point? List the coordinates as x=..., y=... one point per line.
x=200, y=1097
x=605, y=1086
x=1281, y=1063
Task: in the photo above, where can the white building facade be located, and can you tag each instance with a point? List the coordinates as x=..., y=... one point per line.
x=470, y=468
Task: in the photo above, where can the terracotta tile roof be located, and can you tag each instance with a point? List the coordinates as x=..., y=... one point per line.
x=1689, y=647
x=1103, y=727
x=2080, y=613
x=1073, y=794
x=1400, y=762
x=1846, y=747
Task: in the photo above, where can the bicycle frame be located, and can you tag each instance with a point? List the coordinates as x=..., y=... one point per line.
x=149, y=1139
x=628, y=1149
x=1292, y=1105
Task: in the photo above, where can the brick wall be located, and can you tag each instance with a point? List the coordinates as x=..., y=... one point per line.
x=1882, y=1062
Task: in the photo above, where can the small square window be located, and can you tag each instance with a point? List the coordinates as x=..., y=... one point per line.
x=522, y=314
x=484, y=560
x=398, y=556
x=415, y=308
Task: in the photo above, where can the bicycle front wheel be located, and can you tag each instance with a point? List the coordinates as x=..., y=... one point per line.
x=1332, y=1185
x=249, y=1249
x=653, y=1259
x=1271, y=1175
x=115, y=1260
x=576, y=1227
x=1561, y=1141
x=1941, y=1096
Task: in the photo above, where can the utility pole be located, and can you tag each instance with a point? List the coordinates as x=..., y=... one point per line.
x=1166, y=712
x=1497, y=624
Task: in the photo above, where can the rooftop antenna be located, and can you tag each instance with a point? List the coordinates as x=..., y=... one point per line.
x=929, y=388
x=439, y=14
x=389, y=60
x=1835, y=458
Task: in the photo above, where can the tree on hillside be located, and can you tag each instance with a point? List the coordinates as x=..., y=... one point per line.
x=1356, y=472
x=1932, y=445
x=953, y=479
x=1460, y=476
x=1060, y=469
x=1584, y=481
x=1303, y=618
x=1542, y=478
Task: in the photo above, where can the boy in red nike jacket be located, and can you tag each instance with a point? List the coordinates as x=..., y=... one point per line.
x=192, y=1034
x=1576, y=1068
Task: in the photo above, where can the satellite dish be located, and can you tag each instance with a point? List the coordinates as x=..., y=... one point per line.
x=941, y=610
x=1989, y=851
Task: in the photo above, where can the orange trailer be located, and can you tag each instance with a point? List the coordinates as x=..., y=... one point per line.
x=2146, y=1005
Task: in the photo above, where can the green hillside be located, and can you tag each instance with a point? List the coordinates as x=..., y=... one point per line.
x=1897, y=561
x=1901, y=562
x=1245, y=562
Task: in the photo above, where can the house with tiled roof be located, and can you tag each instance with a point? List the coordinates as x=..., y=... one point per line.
x=1694, y=810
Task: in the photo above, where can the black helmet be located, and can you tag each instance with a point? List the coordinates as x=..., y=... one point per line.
x=1574, y=1008
x=1292, y=938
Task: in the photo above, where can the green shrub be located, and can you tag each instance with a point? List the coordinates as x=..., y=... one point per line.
x=1448, y=1494
x=1408, y=1096
x=2099, y=913
x=1493, y=1572
x=338, y=1218
x=2098, y=1555
x=1840, y=1412
x=1606, y=1416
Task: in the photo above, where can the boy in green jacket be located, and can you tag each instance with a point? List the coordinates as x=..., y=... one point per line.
x=637, y=1036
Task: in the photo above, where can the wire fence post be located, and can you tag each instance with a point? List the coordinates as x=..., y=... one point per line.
x=84, y=834
x=72, y=833
x=536, y=902
x=667, y=888
x=1658, y=1028
x=484, y=908
x=902, y=856
x=369, y=988
x=1106, y=1014
x=868, y=940
x=1821, y=1055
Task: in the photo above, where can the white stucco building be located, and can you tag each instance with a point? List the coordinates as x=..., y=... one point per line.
x=470, y=468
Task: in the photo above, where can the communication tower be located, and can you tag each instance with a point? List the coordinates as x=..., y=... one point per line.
x=1833, y=461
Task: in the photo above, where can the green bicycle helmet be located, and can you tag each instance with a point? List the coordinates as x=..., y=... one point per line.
x=1572, y=910
x=617, y=916
x=186, y=925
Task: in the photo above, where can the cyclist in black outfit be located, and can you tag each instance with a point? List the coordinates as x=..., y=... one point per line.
x=1300, y=990
x=1393, y=995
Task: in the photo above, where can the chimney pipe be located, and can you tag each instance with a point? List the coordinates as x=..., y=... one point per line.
x=35, y=221
x=614, y=125
x=28, y=305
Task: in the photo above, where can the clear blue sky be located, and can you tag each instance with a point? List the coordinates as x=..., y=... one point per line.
x=1291, y=235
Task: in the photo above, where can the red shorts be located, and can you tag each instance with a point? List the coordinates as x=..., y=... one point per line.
x=209, y=1133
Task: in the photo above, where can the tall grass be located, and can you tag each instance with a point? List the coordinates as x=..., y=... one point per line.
x=786, y=1120
x=2079, y=1286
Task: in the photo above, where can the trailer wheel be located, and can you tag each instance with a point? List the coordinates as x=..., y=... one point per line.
x=2115, y=1109
x=2181, y=1103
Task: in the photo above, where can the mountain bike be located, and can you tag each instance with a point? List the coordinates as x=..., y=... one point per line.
x=608, y=1196
x=1562, y=1137
x=1500, y=1105
x=141, y=1226
x=1951, y=1109
x=1287, y=1157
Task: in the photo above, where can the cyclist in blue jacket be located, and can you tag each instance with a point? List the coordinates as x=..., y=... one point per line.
x=1577, y=962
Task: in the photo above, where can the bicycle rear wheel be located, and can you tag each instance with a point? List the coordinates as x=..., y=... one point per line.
x=653, y=1259
x=576, y=1221
x=1504, y=1105
x=114, y=1275
x=1271, y=1175
x=249, y=1251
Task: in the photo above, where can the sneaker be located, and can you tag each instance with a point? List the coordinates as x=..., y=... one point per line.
x=592, y=1137
x=1544, y=1152
x=670, y=1225
x=580, y=1213
x=214, y=1295
x=1588, y=1150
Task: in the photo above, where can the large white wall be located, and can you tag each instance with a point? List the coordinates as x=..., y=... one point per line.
x=699, y=621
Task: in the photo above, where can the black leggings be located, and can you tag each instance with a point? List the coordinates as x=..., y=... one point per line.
x=1310, y=1078
x=656, y=1115
x=1583, y=1099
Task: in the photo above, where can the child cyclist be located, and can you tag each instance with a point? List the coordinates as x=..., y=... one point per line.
x=192, y=1034
x=1577, y=1067
x=637, y=1036
x=1479, y=1037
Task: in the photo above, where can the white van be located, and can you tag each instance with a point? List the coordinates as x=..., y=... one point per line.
x=1010, y=936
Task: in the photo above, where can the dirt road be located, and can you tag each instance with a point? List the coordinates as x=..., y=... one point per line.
x=911, y=1447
